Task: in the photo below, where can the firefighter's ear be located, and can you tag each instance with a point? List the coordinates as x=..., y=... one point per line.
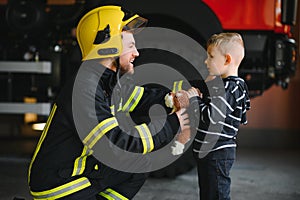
x=228, y=59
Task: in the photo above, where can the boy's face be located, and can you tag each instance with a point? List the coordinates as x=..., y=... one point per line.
x=215, y=61
x=128, y=54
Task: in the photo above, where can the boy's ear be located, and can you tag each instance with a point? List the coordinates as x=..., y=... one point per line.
x=227, y=59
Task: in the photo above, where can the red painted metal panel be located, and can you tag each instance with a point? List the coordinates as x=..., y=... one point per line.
x=244, y=14
x=3, y=2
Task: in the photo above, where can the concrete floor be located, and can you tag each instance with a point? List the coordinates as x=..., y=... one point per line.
x=258, y=174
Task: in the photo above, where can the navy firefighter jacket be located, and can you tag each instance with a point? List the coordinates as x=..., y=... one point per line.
x=85, y=112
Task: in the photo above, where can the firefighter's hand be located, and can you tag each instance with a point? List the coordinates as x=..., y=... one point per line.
x=177, y=100
x=181, y=99
x=183, y=118
x=184, y=136
x=177, y=148
x=185, y=132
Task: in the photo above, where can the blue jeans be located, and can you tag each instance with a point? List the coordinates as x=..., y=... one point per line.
x=213, y=175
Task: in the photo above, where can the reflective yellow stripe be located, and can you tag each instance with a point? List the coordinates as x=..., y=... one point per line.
x=44, y=133
x=120, y=105
x=102, y=128
x=63, y=190
x=177, y=85
x=111, y=194
x=134, y=99
x=112, y=110
x=79, y=164
x=146, y=137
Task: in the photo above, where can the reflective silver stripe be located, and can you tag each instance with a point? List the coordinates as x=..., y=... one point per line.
x=102, y=128
x=177, y=85
x=146, y=137
x=134, y=99
x=63, y=190
x=79, y=164
x=111, y=194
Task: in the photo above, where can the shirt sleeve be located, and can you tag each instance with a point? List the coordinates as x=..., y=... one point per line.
x=214, y=108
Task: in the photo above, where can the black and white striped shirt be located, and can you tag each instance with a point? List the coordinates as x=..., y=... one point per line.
x=220, y=115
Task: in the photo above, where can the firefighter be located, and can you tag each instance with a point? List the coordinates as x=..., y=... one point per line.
x=64, y=164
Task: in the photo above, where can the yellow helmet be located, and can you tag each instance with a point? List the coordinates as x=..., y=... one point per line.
x=99, y=31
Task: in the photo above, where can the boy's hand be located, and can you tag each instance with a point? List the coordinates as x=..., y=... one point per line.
x=193, y=92
x=181, y=99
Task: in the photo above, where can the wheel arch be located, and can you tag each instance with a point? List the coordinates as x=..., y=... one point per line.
x=196, y=19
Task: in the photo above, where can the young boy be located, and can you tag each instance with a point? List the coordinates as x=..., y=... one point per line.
x=219, y=111
x=221, y=114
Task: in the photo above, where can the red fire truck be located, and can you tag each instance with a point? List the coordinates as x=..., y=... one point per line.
x=265, y=26
x=39, y=32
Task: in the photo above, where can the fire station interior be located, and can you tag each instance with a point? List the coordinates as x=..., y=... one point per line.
x=268, y=155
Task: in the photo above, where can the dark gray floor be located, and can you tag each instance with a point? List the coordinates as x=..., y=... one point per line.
x=258, y=174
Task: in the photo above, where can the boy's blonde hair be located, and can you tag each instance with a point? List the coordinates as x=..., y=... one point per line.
x=228, y=42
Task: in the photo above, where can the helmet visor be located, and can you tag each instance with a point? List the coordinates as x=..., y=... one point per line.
x=136, y=24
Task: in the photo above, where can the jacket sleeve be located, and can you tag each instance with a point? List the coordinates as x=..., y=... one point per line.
x=140, y=98
x=139, y=138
